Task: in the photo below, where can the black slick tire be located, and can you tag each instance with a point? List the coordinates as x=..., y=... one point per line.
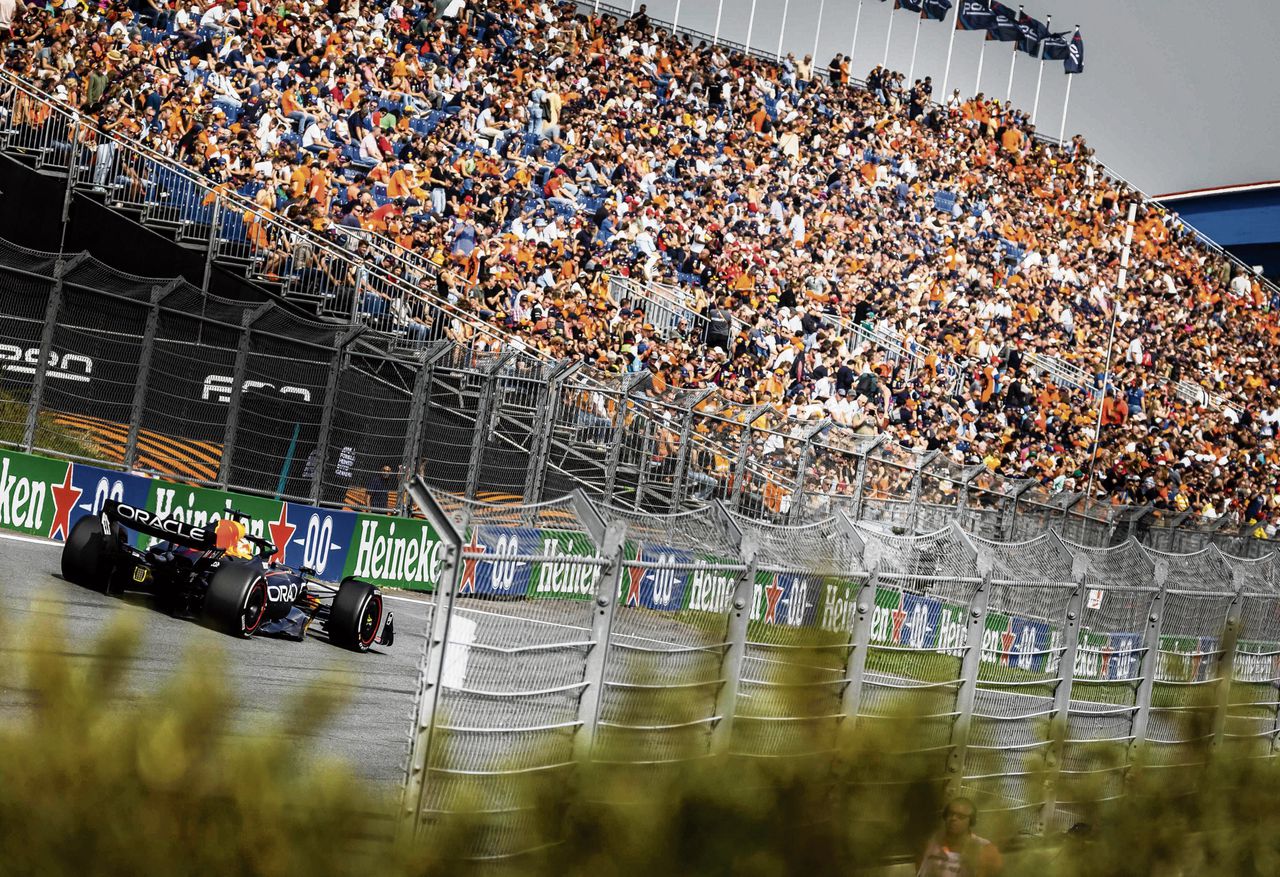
x=356, y=615
x=89, y=555
x=236, y=601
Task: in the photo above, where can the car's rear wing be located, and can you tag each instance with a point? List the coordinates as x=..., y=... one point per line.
x=168, y=529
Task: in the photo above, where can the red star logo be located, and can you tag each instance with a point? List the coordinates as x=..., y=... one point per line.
x=468, y=583
x=635, y=575
x=773, y=593
x=899, y=616
x=281, y=532
x=1006, y=645
x=64, y=500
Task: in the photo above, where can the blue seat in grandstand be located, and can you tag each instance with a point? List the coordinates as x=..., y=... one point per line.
x=562, y=209
x=1011, y=252
x=380, y=194
x=944, y=201
x=231, y=226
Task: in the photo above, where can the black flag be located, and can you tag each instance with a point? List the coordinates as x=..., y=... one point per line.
x=936, y=10
x=1074, y=62
x=1033, y=33
x=974, y=15
x=913, y=5
x=1004, y=24
x=1056, y=46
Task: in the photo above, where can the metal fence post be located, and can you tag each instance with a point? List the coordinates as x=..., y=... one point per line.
x=1227, y=663
x=431, y=668
x=731, y=667
x=802, y=469
x=214, y=221
x=614, y=455
x=605, y=603
x=158, y=294
x=859, y=645
x=540, y=440
x=860, y=483
x=1011, y=517
x=917, y=487
x=237, y=391
x=740, y=467
x=326, y=415
x=968, y=691
x=685, y=452
x=1150, y=662
x=69, y=192
x=419, y=406
x=60, y=269
x=1062, y=695
x=484, y=414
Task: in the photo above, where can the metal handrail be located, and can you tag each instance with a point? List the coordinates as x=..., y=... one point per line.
x=209, y=190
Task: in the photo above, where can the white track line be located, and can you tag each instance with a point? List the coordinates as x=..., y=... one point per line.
x=34, y=540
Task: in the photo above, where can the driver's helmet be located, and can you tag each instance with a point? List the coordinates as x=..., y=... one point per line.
x=230, y=537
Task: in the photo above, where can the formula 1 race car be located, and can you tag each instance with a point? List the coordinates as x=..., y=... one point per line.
x=221, y=574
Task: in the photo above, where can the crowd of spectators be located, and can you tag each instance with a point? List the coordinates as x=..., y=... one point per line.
x=531, y=150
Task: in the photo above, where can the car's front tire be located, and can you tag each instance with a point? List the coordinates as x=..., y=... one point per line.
x=356, y=615
x=236, y=601
x=89, y=555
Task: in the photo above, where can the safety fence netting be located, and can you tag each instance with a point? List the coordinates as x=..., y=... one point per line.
x=586, y=642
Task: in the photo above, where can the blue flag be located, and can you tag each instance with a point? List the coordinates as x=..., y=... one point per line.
x=936, y=10
x=1074, y=62
x=1004, y=25
x=913, y=5
x=1032, y=34
x=1056, y=46
x=974, y=15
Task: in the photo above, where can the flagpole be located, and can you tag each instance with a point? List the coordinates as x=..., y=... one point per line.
x=786, y=4
x=888, y=35
x=1115, y=314
x=1008, y=92
x=911, y=72
x=1062, y=132
x=822, y=5
x=853, y=47
x=751, y=23
x=715, y=39
x=1035, y=107
x=977, y=86
x=951, y=44
x=675, y=19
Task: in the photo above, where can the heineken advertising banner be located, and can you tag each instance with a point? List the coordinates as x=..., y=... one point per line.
x=502, y=568
x=42, y=497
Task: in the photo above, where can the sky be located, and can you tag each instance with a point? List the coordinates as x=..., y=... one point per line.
x=1175, y=95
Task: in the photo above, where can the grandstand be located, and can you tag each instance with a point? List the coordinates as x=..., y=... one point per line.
x=791, y=256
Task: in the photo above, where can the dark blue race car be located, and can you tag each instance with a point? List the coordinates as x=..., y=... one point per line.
x=222, y=574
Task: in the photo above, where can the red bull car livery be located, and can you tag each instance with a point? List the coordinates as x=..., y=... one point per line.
x=222, y=575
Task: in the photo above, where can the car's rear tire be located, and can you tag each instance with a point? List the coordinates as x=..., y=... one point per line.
x=356, y=615
x=89, y=555
x=236, y=601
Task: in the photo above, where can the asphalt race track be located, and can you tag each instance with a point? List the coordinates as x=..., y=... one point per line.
x=371, y=730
